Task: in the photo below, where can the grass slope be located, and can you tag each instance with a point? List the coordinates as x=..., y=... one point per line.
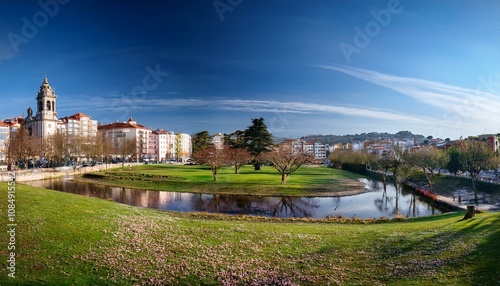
x=64, y=239
x=307, y=181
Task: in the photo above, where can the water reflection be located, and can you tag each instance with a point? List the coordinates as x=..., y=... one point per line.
x=254, y=205
x=378, y=201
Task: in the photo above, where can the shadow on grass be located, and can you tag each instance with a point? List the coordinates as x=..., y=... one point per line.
x=465, y=251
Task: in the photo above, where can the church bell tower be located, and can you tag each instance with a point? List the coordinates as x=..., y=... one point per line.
x=46, y=114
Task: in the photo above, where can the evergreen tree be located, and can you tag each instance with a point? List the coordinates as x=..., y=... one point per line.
x=201, y=140
x=257, y=139
x=235, y=139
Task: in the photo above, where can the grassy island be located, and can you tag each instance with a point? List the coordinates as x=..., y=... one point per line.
x=307, y=181
x=65, y=239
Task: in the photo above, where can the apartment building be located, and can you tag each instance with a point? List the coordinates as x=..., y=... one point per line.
x=119, y=132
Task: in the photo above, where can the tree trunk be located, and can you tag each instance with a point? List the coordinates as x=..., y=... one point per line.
x=395, y=175
x=429, y=180
x=283, y=178
x=476, y=199
x=470, y=212
x=214, y=172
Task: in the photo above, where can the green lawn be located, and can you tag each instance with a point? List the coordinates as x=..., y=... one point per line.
x=65, y=239
x=307, y=181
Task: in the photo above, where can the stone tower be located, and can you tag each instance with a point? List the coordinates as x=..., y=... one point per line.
x=44, y=123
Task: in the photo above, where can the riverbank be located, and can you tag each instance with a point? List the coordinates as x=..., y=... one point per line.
x=36, y=174
x=306, y=182
x=451, y=192
x=451, y=203
x=63, y=239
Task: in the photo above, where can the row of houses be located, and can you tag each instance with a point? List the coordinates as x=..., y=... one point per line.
x=383, y=147
x=319, y=150
x=153, y=145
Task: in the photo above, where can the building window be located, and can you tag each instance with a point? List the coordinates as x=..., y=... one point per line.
x=48, y=105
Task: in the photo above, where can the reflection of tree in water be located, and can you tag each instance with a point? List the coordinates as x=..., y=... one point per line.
x=294, y=207
x=215, y=203
x=279, y=207
x=227, y=204
x=412, y=209
x=386, y=204
x=383, y=203
x=391, y=205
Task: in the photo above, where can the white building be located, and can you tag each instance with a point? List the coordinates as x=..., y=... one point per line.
x=78, y=124
x=218, y=141
x=46, y=123
x=161, y=145
x=171, y=146
x=118, y=132
x=358, y=145
x=307, y=147
x=320, y=151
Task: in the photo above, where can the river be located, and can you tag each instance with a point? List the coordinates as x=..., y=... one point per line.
x=375, y=203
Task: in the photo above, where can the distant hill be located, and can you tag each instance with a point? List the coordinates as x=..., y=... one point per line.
x=333, y=139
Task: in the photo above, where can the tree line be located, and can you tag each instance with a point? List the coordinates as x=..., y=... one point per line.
x=465, y=156
x=61, y=148
x=254, y=145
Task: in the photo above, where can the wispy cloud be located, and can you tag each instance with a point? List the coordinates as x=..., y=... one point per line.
x=463, y=107
x=119, y=103
x=464, y=110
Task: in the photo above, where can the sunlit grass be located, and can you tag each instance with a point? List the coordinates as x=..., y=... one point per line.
x=65, y=239
x=307, y=181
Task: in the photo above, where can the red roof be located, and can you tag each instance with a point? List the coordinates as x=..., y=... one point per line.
x=161, y=132
x=76, y=116
x=118, y=125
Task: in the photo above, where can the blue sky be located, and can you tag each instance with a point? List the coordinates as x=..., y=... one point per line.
x=307, y=67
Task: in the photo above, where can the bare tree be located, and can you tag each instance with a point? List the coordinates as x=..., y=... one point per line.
x=427, y=158
x=286, y=161
x=384, y=165
x=127, y=148
x=212, y=157
x=56, y=147
x=399, y=166
x=90, y=147
x=238, y=157
x=21, y=147
x=78, y=146
x=105, y=146
x=476, y=156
